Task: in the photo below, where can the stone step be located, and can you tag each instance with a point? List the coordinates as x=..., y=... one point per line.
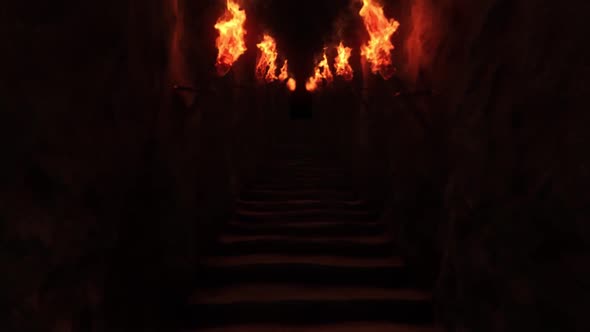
x=286, y=172
x=338, y=261
x=308, y=246
x=253, y=205
x=309, y=194
x=308, y=215
x=306, y=228
x=329, y=240
x=313, y=312
x=302, y=253
x=390, y=276
x=333, y=327
x=279, y=173
x=297, y=292
x=295, y=177
x=311, y=185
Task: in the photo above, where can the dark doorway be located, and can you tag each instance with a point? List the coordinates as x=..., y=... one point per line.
x=301, y=104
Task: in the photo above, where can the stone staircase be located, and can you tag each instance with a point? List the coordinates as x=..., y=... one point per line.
x=304, y=254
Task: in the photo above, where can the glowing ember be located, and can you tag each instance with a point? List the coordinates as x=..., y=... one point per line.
x=266, y=67
x=230, y=43
x=322, y=72
x=284, y=71
x=291, y=84
x=311, y=85
x=380, y=29
x=341, y=64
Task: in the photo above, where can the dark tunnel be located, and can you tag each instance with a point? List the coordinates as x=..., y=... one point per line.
x=143, y=191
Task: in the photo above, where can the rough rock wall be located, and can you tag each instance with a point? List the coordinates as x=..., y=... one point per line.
x=489, y=175
x=110, y=182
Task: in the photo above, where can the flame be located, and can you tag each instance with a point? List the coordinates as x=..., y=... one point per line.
x=380, y=29
x=311, y=85
x=230, y=43
x=322, y=72
x=267, y=63
x=284, y=71
x=291, y=84
x=326, y=73
x=341, y=64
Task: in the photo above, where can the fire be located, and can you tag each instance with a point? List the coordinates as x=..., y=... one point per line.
x=326, y=72
x=311, y=85
x=380, y=29
x=322, y=72
x=341, y=64
x=230, y=43
x=291, y=84
x=284, y=71
x=266, y=67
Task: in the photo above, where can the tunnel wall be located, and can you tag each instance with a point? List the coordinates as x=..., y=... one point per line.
x=484, y=152
x=113, y=184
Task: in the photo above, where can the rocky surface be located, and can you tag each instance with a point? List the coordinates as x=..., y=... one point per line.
x=111, y=181
x=112, y=184
x=489, y=174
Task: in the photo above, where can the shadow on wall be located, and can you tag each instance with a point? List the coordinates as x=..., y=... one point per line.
x=489, y=174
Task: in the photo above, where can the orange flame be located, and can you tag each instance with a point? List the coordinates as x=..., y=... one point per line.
x=230, y=43
x=341, y=64
x=311, y=85
x=284, y=71
x=267, y=67
x=380, y=29
x=322, y=72
x=291, y=84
